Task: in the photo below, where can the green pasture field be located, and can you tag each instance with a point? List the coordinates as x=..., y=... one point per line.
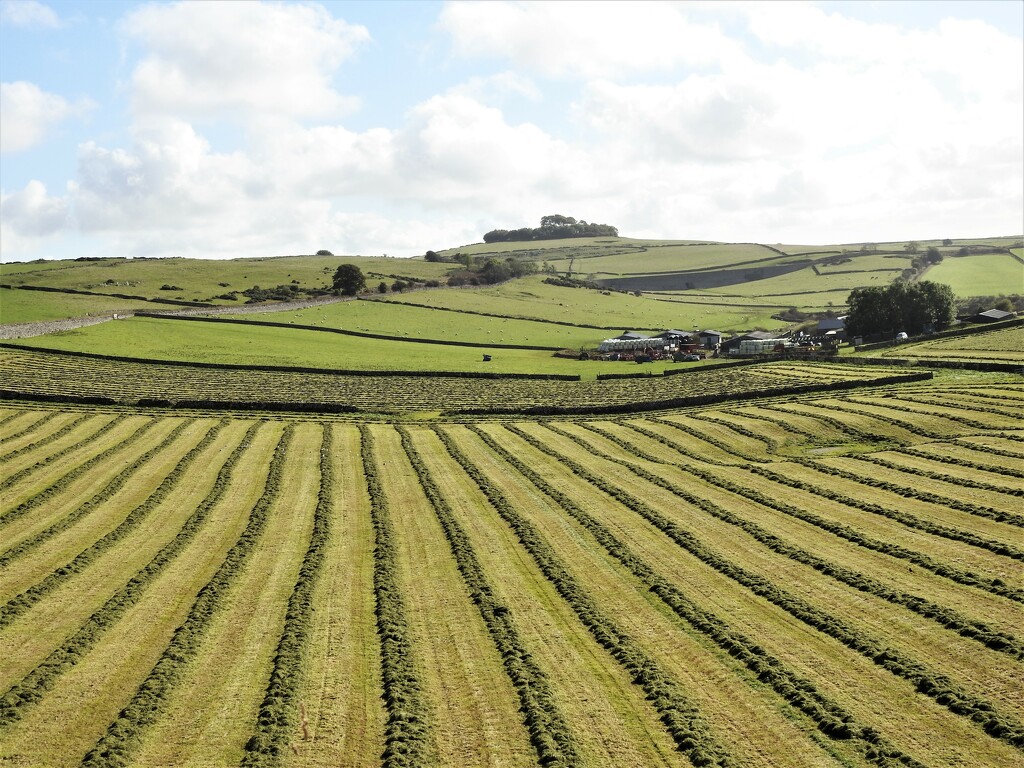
x=583, y=246
x=868, y=262
x=1002, y=346
x=200, y=279
x=400, y=320
x=983, y=274
x=532, y=298
x=157, y=339
x=36, y=306
x=819, y=580
x=673, y=257
x=805, y=281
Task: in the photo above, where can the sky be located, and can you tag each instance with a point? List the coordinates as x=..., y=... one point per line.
x=228, y=129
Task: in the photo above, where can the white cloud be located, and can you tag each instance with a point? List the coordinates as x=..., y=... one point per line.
x=223, y=59
x=28, y=13
x=28, y=113
x=29, y=217
x=586, y=39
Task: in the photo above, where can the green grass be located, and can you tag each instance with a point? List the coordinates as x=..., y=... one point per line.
x=532, y=298
x=392, y=319
x=156, y=339
x=669, y=258
x=201, y=279
x=37, y=306
x=986, y=274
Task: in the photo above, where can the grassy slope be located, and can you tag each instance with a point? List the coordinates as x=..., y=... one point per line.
x=986, y=274
x=37, y=306
x=201, y=279
x=254, y=345
x=394, y=319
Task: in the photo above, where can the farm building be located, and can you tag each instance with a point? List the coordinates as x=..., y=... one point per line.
x=634, y=343
x=836, y=324
x=732, y=346
x=710, y=339
x=992, y=316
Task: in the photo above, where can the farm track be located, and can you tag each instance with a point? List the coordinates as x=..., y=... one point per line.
x=823, y=579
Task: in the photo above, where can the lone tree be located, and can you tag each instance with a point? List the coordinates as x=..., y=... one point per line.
x=349, y=280
x=909, y=307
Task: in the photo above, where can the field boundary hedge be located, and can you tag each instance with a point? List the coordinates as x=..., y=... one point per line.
x=294, y=368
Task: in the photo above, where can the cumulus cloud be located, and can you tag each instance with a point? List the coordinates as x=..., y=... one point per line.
x=586, y=39
x=222, y=59
x=28, y=113
x=28, y=13
x=32, y=213
x=809, y=127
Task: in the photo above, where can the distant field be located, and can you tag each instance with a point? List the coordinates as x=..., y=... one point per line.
x=200, y=279
x=128, y=382
x=1001, y=346
x=806, y=281
x=986, y=274
x=35, y=306
x=531, y=297
x=235, y=344
x=663, y=258
x=400, y=320
x=812, y=582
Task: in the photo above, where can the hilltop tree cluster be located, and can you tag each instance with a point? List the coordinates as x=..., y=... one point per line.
x=554, y=227
x=909, y=307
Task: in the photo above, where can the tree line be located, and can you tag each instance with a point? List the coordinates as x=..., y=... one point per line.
x=554, y=227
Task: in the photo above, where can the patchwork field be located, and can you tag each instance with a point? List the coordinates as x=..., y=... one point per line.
x=1004, y=345
x=829, y=579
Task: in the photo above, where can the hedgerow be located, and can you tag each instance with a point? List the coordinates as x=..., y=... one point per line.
x=407, y=731
x=548, y=729
x=680, y=716
x=936, y=685
x=42, y=678
x=800, y=693
x=115, y=747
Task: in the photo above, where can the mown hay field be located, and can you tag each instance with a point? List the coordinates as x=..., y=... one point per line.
x=1002, y=345
x=830, y=579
